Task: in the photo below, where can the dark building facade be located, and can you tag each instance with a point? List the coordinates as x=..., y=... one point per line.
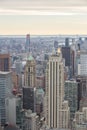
x=67, y=42
x=56, y=45
x=82, y=88
x=4, y=62
x=29, y=98
x=66, y=53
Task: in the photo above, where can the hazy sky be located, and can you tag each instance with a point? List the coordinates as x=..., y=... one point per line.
x=43, y=16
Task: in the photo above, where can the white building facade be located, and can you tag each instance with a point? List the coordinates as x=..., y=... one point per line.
x=55, y=92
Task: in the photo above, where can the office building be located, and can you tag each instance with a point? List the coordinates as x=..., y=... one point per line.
x=55, y=93
x=18, y=66
x=31, y=121
x=5, y=91
x=30, y=72
x=78, y=64
x=4, y=62
x=71, y=94
x=80, y=120
x=83, y=63
x=13, y=110
x=27, y=44
x=67, y=42
x=39, y=101
x=82, y=88
x=29, y=98
x=66, y=53
x=56, y=45
x=40, y=81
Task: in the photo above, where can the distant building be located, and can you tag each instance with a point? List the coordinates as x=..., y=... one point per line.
x=69, y=55
x=66, y=53
x=78, y=64
x=29, y=98
x=30, y=72
x=39, y=101
x=31, y=121
x=27, y=44
x=13, y=111
x=83, y=62
x=40, y=81
x=71, y=95
x=82, y=88
x=56, y=45
x=80, y=120
x=67, y=42
x=83, y=103
x=18, y=66
x=5, y=91
x=4, y=62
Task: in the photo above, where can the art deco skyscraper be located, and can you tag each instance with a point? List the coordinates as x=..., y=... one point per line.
x=55, y=93
x=30, y=72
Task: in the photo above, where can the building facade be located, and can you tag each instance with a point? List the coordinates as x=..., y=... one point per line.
x=13, y=110
x=29, y=98
x=27, y=44
x=4, y=62
x=71, y=94
x=83, y=62
x=55, y=91
x=30, y=72
x=5, y=91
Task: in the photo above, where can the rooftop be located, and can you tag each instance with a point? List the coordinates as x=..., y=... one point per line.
x=30, y=58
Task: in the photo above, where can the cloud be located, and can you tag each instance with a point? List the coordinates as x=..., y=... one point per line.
x=46, y=11
x=27, y=4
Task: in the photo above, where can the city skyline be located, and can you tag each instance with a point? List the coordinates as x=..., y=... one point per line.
x=43, y=17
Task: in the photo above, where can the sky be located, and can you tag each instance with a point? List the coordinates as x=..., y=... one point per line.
x=43, y=17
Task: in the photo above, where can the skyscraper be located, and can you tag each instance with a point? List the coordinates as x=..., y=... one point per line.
x=55, y=92
x=30, y=72
x=66, y=53
x=29, y=98
x=67, y=42
x=4, y=62
x=5, y=91
x=27, y=44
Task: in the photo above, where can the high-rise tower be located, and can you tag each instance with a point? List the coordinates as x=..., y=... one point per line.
x=27, y=45
x=30, y=72
x=55, y=93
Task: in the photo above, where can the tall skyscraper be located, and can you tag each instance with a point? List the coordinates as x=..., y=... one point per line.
x=4, y=62
x=55, y=93
x=30, y=72
x=5, y=91
x=27, y=44
x=69, y=55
